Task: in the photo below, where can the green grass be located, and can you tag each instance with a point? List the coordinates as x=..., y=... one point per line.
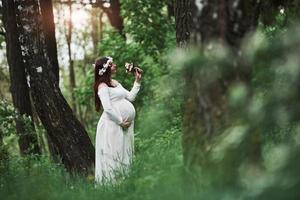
x=156, y=171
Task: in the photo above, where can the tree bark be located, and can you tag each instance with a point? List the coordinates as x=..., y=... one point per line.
x=49, y=32
x=66, y=132
x=95, y=24
x=114, y=15
x=28, y=141
x=51, y=47
x=183, y=18
x=226, y=21
x=201, y=22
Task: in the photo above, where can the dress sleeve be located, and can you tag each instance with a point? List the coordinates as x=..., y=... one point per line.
x=130, y=96
x=103, y=94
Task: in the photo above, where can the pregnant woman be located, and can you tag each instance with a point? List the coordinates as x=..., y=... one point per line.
x=114, y=137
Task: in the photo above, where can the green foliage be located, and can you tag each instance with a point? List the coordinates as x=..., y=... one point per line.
x=133, y=49
x=278, y=28
x=8, y=118
x=157, y=160
x=84, y=94
x=8, y=114
x=267, y=108
x=85, y=99
x=263, y=114
x=115, y=45
x=142, y=47
x=148, y=25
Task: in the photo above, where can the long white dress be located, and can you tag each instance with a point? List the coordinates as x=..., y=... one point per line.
x=115, y=145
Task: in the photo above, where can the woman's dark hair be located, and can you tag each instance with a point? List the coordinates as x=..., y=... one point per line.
x=105, y=78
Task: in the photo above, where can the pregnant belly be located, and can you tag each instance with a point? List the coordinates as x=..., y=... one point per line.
x=126, y=110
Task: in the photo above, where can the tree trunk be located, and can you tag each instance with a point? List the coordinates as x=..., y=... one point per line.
x=101, y=26
x=114, y=15
x=206, y=112
x=225, y=21
x=49, y=31
x=183, y=18
x=66, y=132
x=50, y=41
x=95, y=28
x=71, y=61
x=28, y=141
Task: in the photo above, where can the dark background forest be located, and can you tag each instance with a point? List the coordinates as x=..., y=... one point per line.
x=217, y=114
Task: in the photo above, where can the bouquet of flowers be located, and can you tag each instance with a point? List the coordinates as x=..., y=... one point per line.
x=131, y=68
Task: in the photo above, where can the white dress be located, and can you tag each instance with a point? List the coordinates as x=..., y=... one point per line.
x=114, y=145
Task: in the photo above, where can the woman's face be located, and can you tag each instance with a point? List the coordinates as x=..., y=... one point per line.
x=113, y=68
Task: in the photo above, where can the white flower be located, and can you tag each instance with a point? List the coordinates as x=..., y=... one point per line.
x=105, y=66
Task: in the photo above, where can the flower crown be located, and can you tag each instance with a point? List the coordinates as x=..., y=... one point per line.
x=105, y=65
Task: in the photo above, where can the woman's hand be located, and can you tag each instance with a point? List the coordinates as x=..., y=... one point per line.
x=138, y=76
x=125, y=124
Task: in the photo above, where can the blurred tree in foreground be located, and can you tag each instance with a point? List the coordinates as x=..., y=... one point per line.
x=239, y=88
x=204, y=25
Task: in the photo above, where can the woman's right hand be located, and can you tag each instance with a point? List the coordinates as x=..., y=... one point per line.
x=138, y=76
x=125, y=124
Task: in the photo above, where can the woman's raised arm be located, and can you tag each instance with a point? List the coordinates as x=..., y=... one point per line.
x=131, y=95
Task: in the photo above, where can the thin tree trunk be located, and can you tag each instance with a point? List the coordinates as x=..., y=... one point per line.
x=101, y=26
x=95, y=28
x=72, y=141
x=71, y=61
x=28, y=141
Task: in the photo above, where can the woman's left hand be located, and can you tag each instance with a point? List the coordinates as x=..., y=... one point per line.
x=138, y=76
